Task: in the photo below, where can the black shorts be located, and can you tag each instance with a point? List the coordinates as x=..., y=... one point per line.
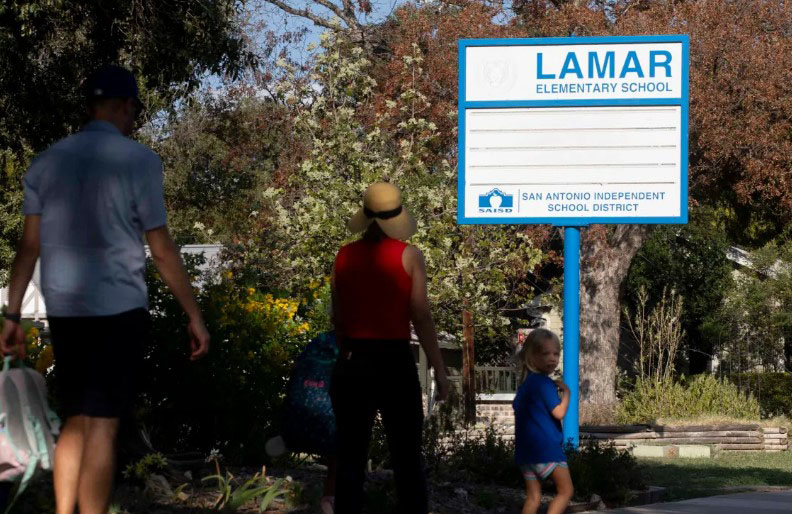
x=98, y=361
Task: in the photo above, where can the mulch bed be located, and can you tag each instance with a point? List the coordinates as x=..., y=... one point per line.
x=445, y=497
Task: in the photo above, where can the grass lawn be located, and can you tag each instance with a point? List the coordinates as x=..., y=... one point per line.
x=690, y=478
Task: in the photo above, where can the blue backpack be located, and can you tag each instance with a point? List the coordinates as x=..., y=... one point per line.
x=308, y=420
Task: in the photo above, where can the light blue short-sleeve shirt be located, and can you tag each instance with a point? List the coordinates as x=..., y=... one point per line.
x=97, y=192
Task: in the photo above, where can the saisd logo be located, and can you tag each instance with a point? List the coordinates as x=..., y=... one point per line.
x=496, y=201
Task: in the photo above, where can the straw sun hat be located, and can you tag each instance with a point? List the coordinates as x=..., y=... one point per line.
x=382, y=202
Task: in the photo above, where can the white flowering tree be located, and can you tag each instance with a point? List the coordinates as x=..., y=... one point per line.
x=354, y=143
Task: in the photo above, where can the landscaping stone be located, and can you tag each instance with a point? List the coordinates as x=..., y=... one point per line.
x=645, y=450
x=684, y=451
x=694, y=451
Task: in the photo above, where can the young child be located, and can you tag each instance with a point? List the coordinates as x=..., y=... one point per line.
x=538, y=411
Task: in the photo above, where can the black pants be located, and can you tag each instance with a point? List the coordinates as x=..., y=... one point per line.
x=373, y=376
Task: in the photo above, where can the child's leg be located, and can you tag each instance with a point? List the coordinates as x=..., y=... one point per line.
x=533, y=498
x=564, y=490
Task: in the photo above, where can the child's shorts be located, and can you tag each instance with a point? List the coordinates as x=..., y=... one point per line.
x=540, y=471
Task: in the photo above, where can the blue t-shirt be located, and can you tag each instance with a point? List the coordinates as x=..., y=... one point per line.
x=538, y=435
x=97, y=193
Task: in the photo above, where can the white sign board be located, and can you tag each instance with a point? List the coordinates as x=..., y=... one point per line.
x=573, y=131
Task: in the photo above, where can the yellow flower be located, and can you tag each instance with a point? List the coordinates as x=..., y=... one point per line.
x=45, y=359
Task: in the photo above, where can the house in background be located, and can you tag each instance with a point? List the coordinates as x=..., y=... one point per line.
x=34, y=309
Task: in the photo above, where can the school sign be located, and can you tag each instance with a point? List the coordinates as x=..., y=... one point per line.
x=573, y=131
x=570, y=132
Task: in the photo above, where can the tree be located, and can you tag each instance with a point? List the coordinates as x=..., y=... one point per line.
x=220, y=151
x=740, y=151
x=310, y=212
x=692, y=260
x=753, y=326
x=432, y=32
x=11, y=169
x=739, y=125
x=48, y=47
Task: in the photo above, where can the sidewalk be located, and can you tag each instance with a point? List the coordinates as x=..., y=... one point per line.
x=753, y=503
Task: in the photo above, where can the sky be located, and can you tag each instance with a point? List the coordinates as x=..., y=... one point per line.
x=260, y=13
x=280, y=21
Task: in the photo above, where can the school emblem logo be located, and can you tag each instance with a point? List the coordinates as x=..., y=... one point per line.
x=498, y=75
x=496, y=201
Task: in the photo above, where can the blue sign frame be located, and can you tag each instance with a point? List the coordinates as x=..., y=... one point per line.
x=464, y=105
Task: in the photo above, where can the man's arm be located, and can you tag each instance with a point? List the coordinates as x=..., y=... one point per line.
x=12, y=339
x=421, y=317
x=169, y=263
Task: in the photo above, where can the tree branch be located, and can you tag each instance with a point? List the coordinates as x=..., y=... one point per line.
x=348, y=18
x=330, y=6
x=305, y=13
x=348, y=7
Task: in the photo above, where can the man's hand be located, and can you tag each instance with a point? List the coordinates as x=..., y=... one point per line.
x=199, y=338
x=169, y=263
x=443, y=386
x=12, y=339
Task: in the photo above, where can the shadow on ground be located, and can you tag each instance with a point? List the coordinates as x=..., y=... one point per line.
x=690, y=478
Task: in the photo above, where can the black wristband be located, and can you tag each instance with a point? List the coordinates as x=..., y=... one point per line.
x=13, y=316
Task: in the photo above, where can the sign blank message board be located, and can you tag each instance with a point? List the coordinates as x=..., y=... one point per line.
x=573, y=131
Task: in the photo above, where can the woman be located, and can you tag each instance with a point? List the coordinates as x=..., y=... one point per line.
x=379, y=287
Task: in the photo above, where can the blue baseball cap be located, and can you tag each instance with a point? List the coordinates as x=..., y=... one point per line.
x=112, y=81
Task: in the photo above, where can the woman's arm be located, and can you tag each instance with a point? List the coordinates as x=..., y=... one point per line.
x=334, y=307
x=421, y=317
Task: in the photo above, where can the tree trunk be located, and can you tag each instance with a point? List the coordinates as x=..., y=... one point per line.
x=606, y=255
x=700, y=355
x=468, y=365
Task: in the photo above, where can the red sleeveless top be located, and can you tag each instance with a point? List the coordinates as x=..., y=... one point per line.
x=373, y=290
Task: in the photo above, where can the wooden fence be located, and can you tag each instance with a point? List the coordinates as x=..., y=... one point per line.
x=496, y=379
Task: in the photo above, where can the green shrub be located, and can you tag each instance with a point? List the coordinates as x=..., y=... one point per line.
x=484, y=458
x=603, y=470
x=701, y=395
x=231, y=399
x=452, y=451
x=772, y=390
x=140, y=471
x=235, y=493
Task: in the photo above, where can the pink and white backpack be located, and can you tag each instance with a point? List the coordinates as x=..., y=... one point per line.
x=28, y=427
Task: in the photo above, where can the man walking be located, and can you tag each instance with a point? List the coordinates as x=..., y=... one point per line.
x=89, y=200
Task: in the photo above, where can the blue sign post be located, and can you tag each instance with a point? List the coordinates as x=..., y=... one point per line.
x=572, y=330
x=571, y=132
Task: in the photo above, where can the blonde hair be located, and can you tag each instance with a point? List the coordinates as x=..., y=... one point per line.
x=533, y=342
